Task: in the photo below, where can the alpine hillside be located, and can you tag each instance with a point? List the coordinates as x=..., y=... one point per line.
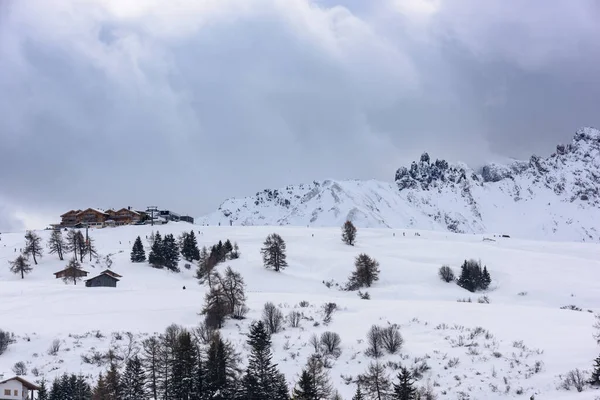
x=553, y=198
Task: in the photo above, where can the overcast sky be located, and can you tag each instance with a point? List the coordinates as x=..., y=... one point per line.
x=184, y=103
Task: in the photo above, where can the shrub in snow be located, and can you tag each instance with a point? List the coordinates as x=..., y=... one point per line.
x=483, y=300
x=375, y=342
x=294, y=318
x=595, y=379
x=391, y=339
x=273, y=318
x=330, y=343
x=20, y=368
x=304, y=304
x=328, y=310
x=446, y=274
x=574, y=379
x=54, y=348
x=364, y=295
x=571, y=307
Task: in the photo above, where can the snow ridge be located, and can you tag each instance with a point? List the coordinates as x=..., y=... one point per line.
x=553, y=198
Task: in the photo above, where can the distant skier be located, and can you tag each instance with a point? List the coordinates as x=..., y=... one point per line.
x=184, y=288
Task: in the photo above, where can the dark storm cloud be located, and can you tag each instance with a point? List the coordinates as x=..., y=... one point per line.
x=184, y=104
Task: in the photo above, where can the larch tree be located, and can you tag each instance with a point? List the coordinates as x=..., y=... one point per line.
x=305, y=388
x=71, y=273
x=365, y=274
x=349, y=233
x=20, y=266
x=273, y=252
x=33, y=245
x=56, y=244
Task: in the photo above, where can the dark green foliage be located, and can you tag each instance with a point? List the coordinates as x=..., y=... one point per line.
x=473, y=277
x=43, y=392
x=273, y=252
x=595, y=379
x=262, y=381
x=170, y=253
x=100, y=390
x=33, y=246
x=222, y=371
x=305, y=388
x=404, y=389
x=137, y=252
x=189, y=249
x=235, y=253
x=349, y=233
x=69, y=387
x=358, y=395
x=156, y=257
x=20, y=266
x=375, y=382
x=216, y=307
x=183, y=366
x=365, y=274
x=315, y=367
x=134, y=380
x=228, y=247
x=114, y=384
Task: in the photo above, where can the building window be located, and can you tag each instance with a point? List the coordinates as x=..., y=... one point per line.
x=16, y=393
x=7, y=392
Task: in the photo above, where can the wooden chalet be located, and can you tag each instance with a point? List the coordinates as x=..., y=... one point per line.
x=69, y=218
x=92, y=217
x=17, y=388
x=111, y=273
x=71, y=272
x=102, y=280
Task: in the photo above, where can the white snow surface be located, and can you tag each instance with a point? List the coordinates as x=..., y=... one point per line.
x=556, y=198
x=531, y=281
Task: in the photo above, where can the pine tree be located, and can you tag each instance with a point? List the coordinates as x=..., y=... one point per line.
x=170, y=253
x=261, y=374
x=20, y=266
x=156, y=257
x=365, y=274
x=486, y=279
x=43, y=392
x=280, y=387
x=56, y=391
x=190, y=251
x=595, y=379
x=358, y=395
x=404, y=389
x=228, y=247
x=137, y=252
x=114, y=385
x=33, y=246
x=375, y=382
x=100, y=391
x=349, y=233
x=305, y=388
x=184, y=362
x=216, y=307
x=273, y=252
x=222, y=371
x=134, y=380
x=82, y=245
x=320, y=377
x=203, y=265
x=56, y=244
x=81, y=389
x=235, y=253
x=151, y=362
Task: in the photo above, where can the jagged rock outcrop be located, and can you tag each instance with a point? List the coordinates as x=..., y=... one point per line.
x=557, y=197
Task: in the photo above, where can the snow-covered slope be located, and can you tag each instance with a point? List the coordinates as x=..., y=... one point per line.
x=530, y=340
x=556, y=198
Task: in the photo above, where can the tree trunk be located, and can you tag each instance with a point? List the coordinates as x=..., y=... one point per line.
x=22, y=274
x=34, y=260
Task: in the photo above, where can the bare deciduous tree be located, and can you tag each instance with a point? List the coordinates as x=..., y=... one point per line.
x=33, y=246
x=56, y=244
x=273, y=318
x=331, y=344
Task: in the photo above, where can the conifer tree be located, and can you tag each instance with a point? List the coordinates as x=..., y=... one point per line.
x=81, y=389
x=595, y=379
x=358, y=395
x=72, y=242
x=151, y=362
x=114, y=385
x=261, y=375
x=320, y=377
x=349, y=233
x=71, y=272
x=216, y=307
x=220, y=380
x=235, y=253
x=90, y=248
x=82, y=245
x=365, y=274
x=100, y=391
x=305, y=388
x=43, y=392
x=404, y=389
x=137, y=252
x=134, y=380
x=156, y=257
x=472, y=277
x=203, y=265
x=170, y=253
x=486, y=280
x=273, y=252
x=56, y=244
x=184, y=362
x=228, y=247
x=375, y=382
x=33, y=246
x=55, y=391
x=20, y=266
x=190, y=251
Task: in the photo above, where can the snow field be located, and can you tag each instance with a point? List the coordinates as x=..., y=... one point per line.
x=435, y=327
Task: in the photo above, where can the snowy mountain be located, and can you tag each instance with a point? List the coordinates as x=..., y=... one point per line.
x=556, y=198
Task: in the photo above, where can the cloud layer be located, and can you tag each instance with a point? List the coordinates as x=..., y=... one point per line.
x=184, y=103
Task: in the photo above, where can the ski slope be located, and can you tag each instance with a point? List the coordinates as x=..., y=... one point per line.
x=531, y=281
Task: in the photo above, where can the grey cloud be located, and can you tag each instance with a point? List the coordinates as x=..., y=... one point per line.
x=185, y=110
